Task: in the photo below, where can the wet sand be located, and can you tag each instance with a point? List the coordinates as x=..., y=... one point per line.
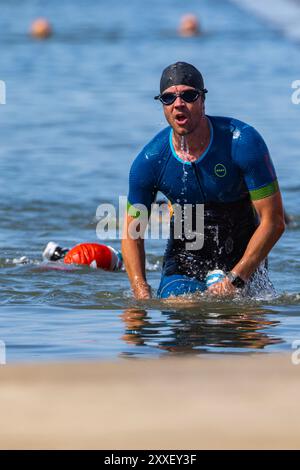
x=230, y=402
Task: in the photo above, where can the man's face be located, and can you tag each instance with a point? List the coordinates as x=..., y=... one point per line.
x=184, y=117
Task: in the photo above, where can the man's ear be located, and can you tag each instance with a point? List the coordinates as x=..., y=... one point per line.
x=203, y=105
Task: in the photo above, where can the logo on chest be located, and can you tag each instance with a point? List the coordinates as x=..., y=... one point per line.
x=220, y=170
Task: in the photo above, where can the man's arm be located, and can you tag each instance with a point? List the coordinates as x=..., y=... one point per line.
x=133, y=253
x=270, y=229
x=143, y=188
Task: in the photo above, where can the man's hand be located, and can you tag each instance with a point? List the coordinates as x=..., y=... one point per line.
x=141, y=290
x=222, y=288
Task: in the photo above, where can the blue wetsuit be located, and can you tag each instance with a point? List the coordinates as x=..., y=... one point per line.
x=235, y=169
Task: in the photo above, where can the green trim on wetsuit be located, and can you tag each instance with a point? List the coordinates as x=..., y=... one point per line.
x=132, y=211
x=265, y=191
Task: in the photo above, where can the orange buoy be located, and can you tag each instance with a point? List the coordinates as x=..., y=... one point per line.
x=103, y=256
x=189, y=25
x=41, y=28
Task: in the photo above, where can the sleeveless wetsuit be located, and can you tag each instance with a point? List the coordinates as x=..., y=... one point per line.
x=235, y=169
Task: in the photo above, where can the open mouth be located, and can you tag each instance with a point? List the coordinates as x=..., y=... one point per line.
x=181, y=119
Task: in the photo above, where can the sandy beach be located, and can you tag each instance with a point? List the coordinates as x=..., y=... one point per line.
x=201, y=403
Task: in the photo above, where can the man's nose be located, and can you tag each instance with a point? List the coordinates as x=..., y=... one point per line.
x=179, y=101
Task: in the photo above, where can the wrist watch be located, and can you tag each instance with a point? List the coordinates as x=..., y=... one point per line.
x=236, y=280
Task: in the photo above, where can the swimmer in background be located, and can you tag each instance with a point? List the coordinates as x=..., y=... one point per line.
x=189, y=26
x=95, y=255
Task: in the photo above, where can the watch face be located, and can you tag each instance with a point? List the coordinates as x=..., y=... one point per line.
x=236, y=281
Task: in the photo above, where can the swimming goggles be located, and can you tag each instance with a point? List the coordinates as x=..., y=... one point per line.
x=189, y=96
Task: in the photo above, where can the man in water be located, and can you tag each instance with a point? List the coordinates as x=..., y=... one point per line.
x=219, y=162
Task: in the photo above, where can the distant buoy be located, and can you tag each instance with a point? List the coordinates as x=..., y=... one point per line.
x=41, y=28
x=189, y=25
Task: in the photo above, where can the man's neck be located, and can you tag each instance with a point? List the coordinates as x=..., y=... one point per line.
x=191, y=146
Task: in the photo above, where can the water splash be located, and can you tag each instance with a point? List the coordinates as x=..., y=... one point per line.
x=155, y=266
x=21, y=260
x=184, y=155
x=260, y=287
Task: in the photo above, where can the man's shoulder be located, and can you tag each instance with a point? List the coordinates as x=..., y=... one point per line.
x=153, y=155
x=158, y=142
x=154, y=149
x=230, y=123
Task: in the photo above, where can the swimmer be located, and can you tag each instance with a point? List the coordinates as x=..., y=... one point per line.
x=220, y=164
x=90, y=254
x=189, y=26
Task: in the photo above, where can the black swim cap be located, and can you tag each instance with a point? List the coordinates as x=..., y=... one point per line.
x=181, y=73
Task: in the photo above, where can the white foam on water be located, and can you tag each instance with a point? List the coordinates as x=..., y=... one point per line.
x=156, y=266
x=21, y=260
x=284, y=14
